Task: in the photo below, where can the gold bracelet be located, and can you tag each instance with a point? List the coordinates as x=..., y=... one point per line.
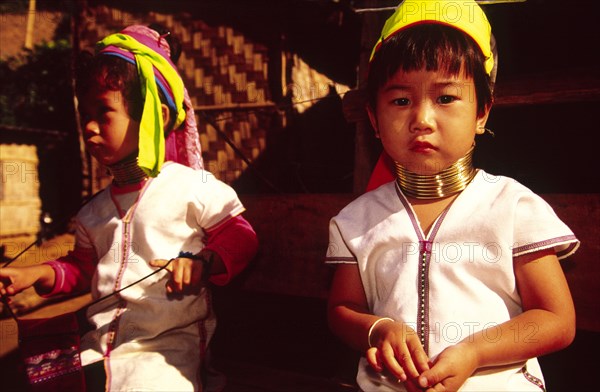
x=373, y=327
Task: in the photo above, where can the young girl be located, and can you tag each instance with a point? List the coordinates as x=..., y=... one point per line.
x=153, y=335
x=448, y=277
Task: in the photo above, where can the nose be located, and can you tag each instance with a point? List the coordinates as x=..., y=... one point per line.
x=90, y=128
x=423, y=118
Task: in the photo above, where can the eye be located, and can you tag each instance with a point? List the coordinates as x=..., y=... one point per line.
x=401, y=101
x=446, y=99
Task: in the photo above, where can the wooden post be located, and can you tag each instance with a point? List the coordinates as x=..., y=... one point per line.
x=30, y=24
x=77, y=11
x=367, y=148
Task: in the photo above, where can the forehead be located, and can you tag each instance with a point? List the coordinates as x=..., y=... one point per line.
x=97, y=95
x=423, y=77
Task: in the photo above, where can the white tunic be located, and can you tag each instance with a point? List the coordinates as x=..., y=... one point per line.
x=457, y=280
x=149, y=340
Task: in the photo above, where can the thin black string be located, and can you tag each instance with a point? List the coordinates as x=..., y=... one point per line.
x=209, y=119
x=38, y=239
x=4, y=299
x=94, y=302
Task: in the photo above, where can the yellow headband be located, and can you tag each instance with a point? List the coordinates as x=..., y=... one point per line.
x=464, y=15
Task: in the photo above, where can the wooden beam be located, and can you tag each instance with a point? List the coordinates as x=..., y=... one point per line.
x=548, y=88
x=236, y=106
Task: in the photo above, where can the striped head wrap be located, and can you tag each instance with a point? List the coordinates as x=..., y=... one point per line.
x=149, y=51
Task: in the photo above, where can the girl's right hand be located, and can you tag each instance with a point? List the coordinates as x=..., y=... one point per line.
x=14, y=280
x=396, y=347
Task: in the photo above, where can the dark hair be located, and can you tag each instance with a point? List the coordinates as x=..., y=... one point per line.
x=111, y=73
x=174, y=43
x=433, y=47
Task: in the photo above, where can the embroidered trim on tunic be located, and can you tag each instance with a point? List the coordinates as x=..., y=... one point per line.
x=533, y=379
x=126, y=218
x=425, y=249
x=549, y=243
x=341, y=260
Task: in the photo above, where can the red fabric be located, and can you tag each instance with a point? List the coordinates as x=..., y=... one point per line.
x=123, y=189
x=236, y=243
x=383, y=172
x=73, y=272
x=49, y=350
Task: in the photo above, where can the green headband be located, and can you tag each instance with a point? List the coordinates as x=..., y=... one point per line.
x=151, y=138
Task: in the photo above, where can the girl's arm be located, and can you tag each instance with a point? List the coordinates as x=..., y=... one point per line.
x=69, y=274
x=547, y=324
x=13, y=280
x=392, y=344
x=231, y=246
x=73, y=272
x=235, y=244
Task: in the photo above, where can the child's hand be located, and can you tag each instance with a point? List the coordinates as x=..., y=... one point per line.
x=15, y=280
x=396, y=347
x=186, y=275
x=451, y=369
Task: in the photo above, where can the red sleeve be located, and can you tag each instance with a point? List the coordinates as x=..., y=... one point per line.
x=73, y=272
x=383, y=172
x=236, y=243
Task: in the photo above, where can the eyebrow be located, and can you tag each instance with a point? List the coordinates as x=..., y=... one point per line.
x=437, y=85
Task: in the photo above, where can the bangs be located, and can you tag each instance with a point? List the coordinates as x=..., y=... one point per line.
x=430, y=47
x=111, y=73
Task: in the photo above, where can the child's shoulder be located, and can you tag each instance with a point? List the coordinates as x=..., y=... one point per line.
x=499, y=187
x=186, y=180
x=381, y=200
x=95, y=205
x=173, y=171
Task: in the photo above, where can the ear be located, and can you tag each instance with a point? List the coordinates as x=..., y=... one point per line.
x=166, y=114
x=373, y=119
x=482, y=120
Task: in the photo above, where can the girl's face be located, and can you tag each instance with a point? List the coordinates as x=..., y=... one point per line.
x=110, y=133
x=426, y=120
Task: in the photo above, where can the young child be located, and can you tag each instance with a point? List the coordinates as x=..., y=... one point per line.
x=448, y=277
x=153, y=335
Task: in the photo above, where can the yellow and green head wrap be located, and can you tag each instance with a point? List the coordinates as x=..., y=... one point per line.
x=464, y=15
x=156, y=71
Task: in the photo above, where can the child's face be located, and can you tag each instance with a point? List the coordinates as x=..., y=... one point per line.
x=110, y=133
x=426, y=119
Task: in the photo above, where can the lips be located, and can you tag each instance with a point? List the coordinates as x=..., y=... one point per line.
x=422, y=147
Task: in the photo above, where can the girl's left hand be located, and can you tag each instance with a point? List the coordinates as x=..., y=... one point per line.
x=186, y=275
x=450, y=370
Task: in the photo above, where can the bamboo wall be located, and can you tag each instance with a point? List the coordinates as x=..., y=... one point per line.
x=226, y=76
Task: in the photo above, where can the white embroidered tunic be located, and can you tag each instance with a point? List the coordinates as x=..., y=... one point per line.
x=151, y=341
x=456, y=280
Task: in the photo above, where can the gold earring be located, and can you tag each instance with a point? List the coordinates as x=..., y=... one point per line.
x=481, y=130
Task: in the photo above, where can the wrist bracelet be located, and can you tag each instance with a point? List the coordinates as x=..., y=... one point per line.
x=373, y=327
x=207, y=262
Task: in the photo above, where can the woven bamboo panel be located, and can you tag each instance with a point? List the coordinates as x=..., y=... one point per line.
x=19, y=190
x=220, y=68
x=308, y=86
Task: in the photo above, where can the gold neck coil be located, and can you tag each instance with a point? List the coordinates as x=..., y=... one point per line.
x=449, y=181
x=127, y=172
